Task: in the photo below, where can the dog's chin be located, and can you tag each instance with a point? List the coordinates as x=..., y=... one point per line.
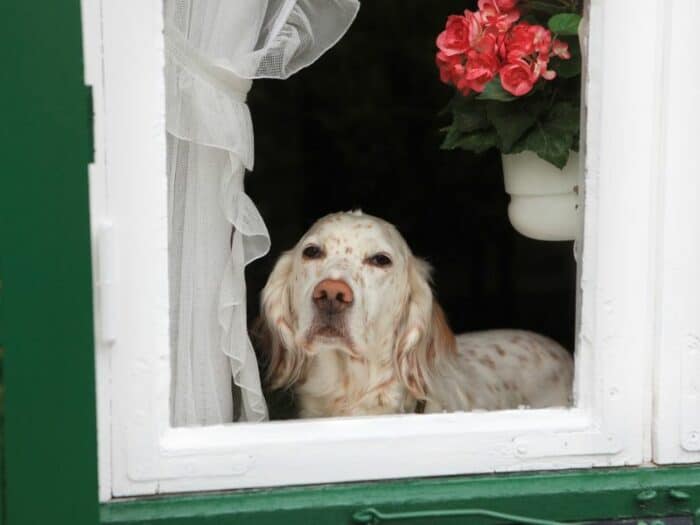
x=329, y=332
x=330, y=336
x=326, y=333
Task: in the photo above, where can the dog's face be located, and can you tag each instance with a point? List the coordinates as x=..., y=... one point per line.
x=346, y=289
x=351, y=285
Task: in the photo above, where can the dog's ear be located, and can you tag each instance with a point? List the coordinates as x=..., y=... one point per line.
x=425, y=336
x=275, y=328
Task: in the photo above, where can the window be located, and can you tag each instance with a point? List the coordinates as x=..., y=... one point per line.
x=142, y=453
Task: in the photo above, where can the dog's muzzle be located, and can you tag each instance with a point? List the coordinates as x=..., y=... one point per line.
x=332, y=296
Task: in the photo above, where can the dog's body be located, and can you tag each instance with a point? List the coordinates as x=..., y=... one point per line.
x=353, y=328
x=492, y=370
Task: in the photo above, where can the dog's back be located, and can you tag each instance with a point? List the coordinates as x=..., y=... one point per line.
x=505, y=369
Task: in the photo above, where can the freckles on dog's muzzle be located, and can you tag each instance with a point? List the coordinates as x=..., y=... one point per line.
x=332, y=296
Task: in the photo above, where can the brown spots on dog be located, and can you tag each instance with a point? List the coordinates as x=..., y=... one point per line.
x=517, y=339
x=549, y=350
x=338, y=405
x=383, y=385
x=348, y=250
x=487, y=361
x=523, y=359
x=469, y=399
x=499, y=350
x=553, y=377
x=509, y=386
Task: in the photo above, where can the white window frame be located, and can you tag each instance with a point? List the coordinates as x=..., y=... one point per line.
x=141, y=454
x=677, y=360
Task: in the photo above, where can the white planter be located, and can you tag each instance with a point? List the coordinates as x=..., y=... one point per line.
x=544, y=201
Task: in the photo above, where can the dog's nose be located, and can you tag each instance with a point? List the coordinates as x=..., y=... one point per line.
x=332, y=295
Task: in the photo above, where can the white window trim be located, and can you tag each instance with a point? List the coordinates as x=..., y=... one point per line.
x=677, y=361
x=141, y=454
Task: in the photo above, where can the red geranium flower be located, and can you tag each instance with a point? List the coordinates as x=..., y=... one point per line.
x=498, y=14
x=480, y=69
x=458, y=34
x=518, y=78
x=476, y=47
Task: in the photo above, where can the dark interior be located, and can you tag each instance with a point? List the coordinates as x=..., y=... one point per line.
x=360, y=128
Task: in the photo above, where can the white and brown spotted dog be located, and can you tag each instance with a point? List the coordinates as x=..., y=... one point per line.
x=353, y=327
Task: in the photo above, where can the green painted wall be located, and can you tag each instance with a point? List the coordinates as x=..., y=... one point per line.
x=46, y=316
x=569, y=496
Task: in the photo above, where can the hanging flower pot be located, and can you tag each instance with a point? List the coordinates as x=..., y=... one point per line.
x=516, y=66
x=544, y=200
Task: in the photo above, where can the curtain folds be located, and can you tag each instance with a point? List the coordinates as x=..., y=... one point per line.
x=214, y=49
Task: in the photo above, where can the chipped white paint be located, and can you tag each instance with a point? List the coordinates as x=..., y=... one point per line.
x=677, y=360
x=91, y=15
x=141, y=454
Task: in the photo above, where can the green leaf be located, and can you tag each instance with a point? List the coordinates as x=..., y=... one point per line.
x=568, y=68
x=510, y=122
x=565, y=23
x=552, y=147
x=451, y=139
x=575, y=143
x=479, y=141
x=468, y=116
x=564, y=117
x=494, y=91
x=472, y=120
x=476, y=141
x=543, y=6
x=554, y=136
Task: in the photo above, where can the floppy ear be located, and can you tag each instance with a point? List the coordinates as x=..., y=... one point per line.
x=274, y=328
x=426, y=337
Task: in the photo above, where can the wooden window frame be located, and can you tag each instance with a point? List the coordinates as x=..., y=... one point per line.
x=141, y=454
x=676, y=428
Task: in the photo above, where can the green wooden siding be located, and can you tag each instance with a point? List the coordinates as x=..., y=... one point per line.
x=46, y=316
x=564, y=496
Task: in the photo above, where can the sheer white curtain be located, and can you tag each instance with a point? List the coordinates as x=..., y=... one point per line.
x=214, y=48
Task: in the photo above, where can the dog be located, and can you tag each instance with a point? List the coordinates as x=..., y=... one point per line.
x=349, y=322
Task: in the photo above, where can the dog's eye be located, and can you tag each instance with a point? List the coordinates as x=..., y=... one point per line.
x=380, y=260
x=312, y=252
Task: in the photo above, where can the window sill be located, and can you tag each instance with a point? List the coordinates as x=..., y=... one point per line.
x=571, y=496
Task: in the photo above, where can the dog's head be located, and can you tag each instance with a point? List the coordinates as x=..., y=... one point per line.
x=352, y=285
